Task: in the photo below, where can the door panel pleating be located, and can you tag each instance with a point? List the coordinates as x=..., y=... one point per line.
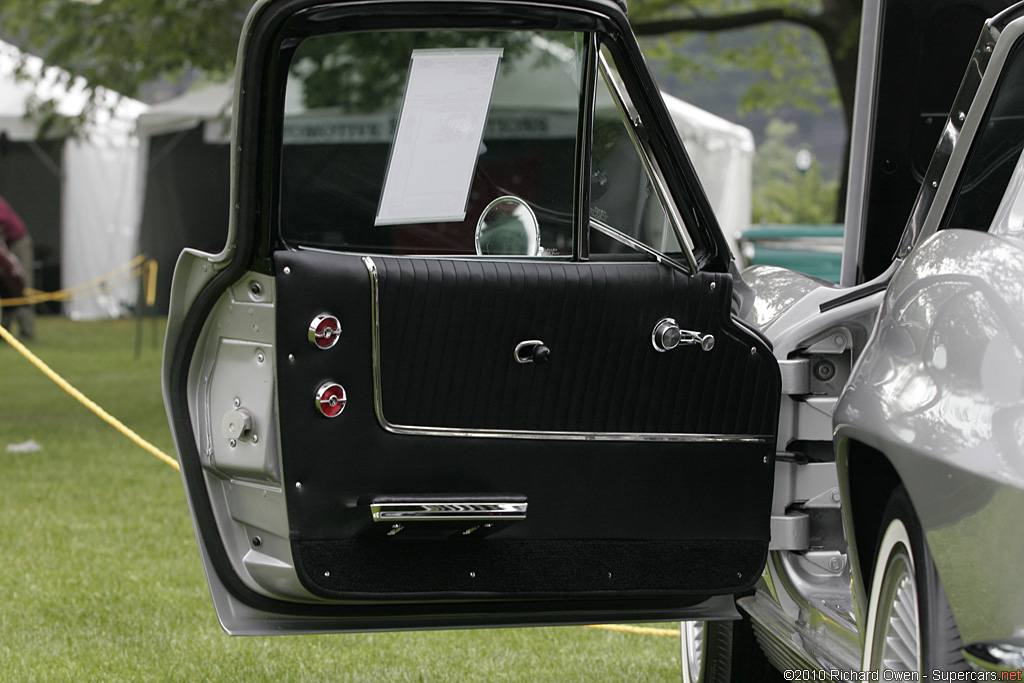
x=680, y=508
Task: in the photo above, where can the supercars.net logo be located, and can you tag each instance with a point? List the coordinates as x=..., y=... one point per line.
x=934, y=675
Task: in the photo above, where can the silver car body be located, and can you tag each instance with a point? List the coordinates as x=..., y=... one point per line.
x=933, y=401
x=913, y=377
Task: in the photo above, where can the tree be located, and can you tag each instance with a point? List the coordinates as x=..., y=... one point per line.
x=124, y=44
x=783, y=58
x=128, y=43
x=784, y=194
x=792, y=74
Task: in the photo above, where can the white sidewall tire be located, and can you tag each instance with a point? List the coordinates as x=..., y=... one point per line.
x=690, y=632
x=896, y=535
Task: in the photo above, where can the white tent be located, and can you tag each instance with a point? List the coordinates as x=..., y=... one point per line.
x=723, y=154
x=98, y=190
x=188, y=159
x=721, y=151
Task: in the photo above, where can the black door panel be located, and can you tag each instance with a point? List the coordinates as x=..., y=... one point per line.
x=456, y=485
x=644, y=472
x=448, y=330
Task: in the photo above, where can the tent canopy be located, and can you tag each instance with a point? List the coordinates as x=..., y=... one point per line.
x=114, y=121
x=187, y=193
x=721, y=151
x=92, y=178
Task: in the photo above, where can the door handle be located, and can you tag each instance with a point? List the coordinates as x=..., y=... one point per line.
x=532, y=351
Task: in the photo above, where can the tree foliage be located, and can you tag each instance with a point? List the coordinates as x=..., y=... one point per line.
x=806, y=50
x=366, y=72
x=790, y=57
x=784, y=194
x=124, y=44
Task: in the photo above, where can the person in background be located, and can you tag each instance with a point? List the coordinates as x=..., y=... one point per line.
x=16, y=236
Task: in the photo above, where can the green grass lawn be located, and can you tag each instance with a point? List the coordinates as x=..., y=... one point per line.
x=100, y=577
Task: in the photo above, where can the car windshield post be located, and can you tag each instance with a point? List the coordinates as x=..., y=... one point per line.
x=675, y=220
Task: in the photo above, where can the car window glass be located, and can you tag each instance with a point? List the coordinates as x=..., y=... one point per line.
x=1009, y=218
x=343, y=104
x=622, y=193
x=994, y=155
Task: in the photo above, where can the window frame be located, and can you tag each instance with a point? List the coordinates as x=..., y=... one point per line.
x=663, y=157
x=1014, y=61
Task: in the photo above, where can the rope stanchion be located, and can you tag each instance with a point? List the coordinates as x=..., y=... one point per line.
x=86, y=401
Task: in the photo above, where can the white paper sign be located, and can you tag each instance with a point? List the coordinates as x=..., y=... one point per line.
x=434, y=154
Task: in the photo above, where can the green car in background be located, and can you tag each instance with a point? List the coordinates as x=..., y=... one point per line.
x=816, y=250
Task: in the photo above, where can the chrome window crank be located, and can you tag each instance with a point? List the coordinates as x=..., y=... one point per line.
x=667, y=336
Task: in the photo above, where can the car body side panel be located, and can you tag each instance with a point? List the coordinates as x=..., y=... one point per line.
x=940, y=391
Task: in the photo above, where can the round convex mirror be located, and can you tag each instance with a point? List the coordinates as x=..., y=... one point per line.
x=508, y=227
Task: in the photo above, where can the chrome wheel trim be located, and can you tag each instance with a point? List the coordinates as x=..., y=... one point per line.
x=901, y=635
x=893, y=636
x=692, y=637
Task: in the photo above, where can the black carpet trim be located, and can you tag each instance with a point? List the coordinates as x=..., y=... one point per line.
x=391, y=568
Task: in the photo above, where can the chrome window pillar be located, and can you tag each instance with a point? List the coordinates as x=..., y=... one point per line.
x=653, y=173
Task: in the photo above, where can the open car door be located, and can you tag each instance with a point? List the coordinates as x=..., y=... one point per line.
x=469, y=355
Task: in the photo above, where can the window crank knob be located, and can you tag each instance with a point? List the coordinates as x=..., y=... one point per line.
x=666, y=335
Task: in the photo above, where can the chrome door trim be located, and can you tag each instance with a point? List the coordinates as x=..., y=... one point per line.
x=637, y=245
x=378, y=405
x=447, y=511
x=653, y=172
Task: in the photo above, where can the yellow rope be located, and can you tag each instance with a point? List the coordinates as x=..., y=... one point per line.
x=142, y=443
x=84, y=400
x=640, y=630
x=37, y=297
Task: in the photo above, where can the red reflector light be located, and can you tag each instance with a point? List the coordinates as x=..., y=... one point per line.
x=324, y=331
x=331, y=399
